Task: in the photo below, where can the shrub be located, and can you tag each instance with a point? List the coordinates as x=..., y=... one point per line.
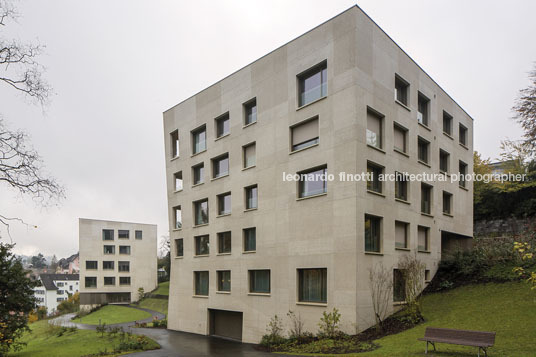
x=72, y=304
x=101, y=328
x=328, y=327
x=41, y=312
x=160, y=323
x=330, y=346
x=274, y=337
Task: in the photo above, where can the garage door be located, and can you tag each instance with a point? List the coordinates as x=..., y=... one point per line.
x=226, y=324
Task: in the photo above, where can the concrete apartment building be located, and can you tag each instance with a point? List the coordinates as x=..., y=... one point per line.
x=54, y=288
x=116, y=259
x=248, y=244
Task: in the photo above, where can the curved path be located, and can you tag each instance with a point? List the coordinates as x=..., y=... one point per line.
x=173, y=343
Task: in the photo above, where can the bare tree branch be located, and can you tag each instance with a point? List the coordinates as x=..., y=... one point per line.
x=525, y=111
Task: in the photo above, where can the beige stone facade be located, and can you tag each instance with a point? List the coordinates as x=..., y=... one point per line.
x=114, y=275
x=326, y=230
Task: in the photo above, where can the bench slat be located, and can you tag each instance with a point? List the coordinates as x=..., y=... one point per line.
x=459, y=337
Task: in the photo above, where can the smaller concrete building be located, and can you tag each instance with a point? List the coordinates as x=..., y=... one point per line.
x=116, y=260
x=54, y=289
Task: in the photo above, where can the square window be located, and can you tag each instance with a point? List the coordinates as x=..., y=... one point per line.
x=423, y=109
x=224, y=280
x=259, y=281
x=447, y=123
x=202, y=245
x=177, y=213
x=313, y=285
x=224, y=204
x=199, y=140
x=312, y=182
x=250, y=239
x=447, y=203
x=304, y=134
x=174, y=144
x=399, y=286
x=426, y=198
x=124, y=249
x=423, y=148
x=463, y=135
x=201, y=212
x=251, y=197
x=372, y=234
x=138, y=234
x=109, y=249
x=463, y=172
x=123, y=234
x=444, y=161
x=107, y=234
x=124, y=280
x=109, y=280
x=374, y=128
x=401, y=234
x=108, y=265
x=224, y=242
x=123, y=266
x=222, y=125
x=374, y=172
x=250, y=112
x=401, y=90
x=201, y=283
x=400, y=138
x=91, y=282
x=312, y=84
x=179, y=247
x=177, y=176
x=198, y=172
x=249, y=155
x=423, y=244
x=401, y=186
x=426, y=275
x=91, y=265
x=220, y=166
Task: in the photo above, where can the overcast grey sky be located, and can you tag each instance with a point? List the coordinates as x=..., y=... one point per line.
x=117, y=65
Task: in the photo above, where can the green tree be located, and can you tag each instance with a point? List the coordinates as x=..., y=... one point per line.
x=53, y=263
x=525, y=111
x=38, y=261
x=481, y=167
x=16, y=299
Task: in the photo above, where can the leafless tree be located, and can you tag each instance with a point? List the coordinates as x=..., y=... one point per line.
x=525, y=111
x=381, y=290
x=165, y=245
x=21, y=167
x=413, y=272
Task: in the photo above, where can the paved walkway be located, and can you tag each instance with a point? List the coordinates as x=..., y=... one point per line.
x=174, y=343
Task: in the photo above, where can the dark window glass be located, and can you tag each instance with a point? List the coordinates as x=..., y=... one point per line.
x=401, y=186
x=426, y=198
x=179, y=244
x=123, y=266
x=107, y=234
x=224, y=280
x=250, y=112
x=91, y=264
x=224, y=204
x=124, y=280
x=222, y=125
x=259, y=281
x=109, y=280
x=124, y=249
x=399, y=286
x=463, y=135
x=123, y=234
x=401, y=90
x=443, y=161
x=313, y=84
x=447, y=198
x=220, y=166
x=372, y=234
x=251, y=197
x=423, y=150
x=250, y=239
x=224, y=242
x=202, y=245
x=447, y=123
x=374, y=183
x=109, y=249
x=199, y=173
x=108, y=265
x=199, y=140
x=177, y=211
x=401, y=234
x=313, y=285
x=463, y=172
x=201, y=212
x=178, y=180
x=423, y=243
x=304, y=134
x=423, y=109
x=201, y=283
x=91, y=281
x=174, y=144
x=139, y=234
x=313, y=182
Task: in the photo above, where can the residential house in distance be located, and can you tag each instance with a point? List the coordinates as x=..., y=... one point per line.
x=54, y=288
x=116, y=259
x=248, y=243
x=69, y=265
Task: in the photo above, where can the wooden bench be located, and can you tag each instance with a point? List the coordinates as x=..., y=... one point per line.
x=479, y=339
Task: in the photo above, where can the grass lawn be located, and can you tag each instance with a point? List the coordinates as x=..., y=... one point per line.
x=113, y=314
x=508, y=309
x=159, y=305
x=163, y=289
x=41, y=342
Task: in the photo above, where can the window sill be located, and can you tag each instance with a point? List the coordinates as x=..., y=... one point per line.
x=318, y=304
x=376, y=193
x=448, y=135
x=444, y=173
x=305, y=148
x=463, y=188
x=404, y=249
x=223, y=136
x=424, y=163
x=198, y=184
x=311, y=103
x=223, y=215
x=427, y=214
x=374, y=253
x=177, y=229
x=179, y=257
x=223, y=292
x=424, y=251
x=202, y=256
x=312, y=196
x=447, y=214
x=174, y=158
x=260, y=294
x=200, y=296
x=219, y=254
x=249, y=252
x=124, y=285
x=425, y=126
x=402, y=201
x=464, y=146
x=250, y=209
x=249, y=167
x=402, y=105
x=376, y=148
x=177, y=191
x=198, y=153
x=401, y=152
x=201, y=225
x=248, y=125
x=219, y=177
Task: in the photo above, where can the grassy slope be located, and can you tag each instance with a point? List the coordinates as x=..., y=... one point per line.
x=508, y=309
x=71, y=344
x=159, y=305
x=163, y=289
x=113, y=314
